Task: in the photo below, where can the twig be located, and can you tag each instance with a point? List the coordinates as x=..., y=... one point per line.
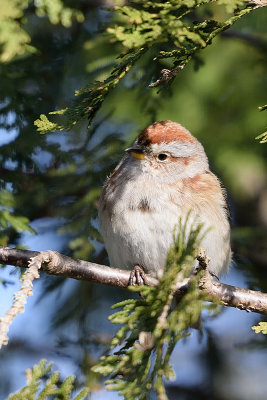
x=254, y=40
x=61, y=265
x=162, y=320
x=203, y=261
x=20, y=297
x=202, y=258
x=258, y=3
x=167, y=75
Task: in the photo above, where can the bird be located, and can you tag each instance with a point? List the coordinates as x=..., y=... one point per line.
x=162, y=177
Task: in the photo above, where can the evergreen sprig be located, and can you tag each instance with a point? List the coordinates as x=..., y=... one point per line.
x=89, y=98
x=15, y=41
x=260, y=328
x=44, y=384
x=140, y=26
x=8, y=220
x=263, y=136
x=142, y=347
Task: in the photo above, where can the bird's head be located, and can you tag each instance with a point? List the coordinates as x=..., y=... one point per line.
x=168, y=151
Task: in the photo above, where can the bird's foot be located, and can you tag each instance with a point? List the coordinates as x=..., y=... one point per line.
x=137, y=276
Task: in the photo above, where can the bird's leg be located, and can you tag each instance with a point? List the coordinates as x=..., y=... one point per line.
x=137, y=276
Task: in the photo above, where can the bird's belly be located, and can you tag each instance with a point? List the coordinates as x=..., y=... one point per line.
x=144, y=237
x=140, y=237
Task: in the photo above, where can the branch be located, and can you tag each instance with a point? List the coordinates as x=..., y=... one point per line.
x=233, y=296
x=60, y=265
x=254, y=40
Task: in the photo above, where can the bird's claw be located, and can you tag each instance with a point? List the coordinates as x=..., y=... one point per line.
x=137, y=276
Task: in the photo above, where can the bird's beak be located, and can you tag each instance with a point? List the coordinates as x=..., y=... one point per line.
x=136, y=151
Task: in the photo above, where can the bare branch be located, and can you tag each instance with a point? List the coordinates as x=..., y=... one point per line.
x=233, y=296
x=247, y=37
x=258, y=3
x=60, y=265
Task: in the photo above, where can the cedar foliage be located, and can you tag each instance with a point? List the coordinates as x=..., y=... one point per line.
x=43, y=384
x=167, y=27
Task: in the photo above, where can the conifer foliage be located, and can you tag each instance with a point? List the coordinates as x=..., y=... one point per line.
x=43, y=384
x=169, y=27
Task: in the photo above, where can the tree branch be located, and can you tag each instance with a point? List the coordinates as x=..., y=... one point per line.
x=60, y=265
x=254, y=40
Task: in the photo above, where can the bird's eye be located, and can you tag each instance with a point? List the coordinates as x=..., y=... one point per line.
x=162, y=156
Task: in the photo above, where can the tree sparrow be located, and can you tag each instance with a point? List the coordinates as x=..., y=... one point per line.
x=164, y=174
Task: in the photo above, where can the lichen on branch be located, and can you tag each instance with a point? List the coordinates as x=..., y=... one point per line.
x=21, y=296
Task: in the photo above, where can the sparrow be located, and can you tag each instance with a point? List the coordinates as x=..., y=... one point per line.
x=163, y=176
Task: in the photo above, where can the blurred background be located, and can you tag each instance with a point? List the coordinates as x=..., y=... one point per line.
x=55, y=180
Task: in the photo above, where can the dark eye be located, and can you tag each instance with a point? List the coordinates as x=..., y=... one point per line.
x=162, y=156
